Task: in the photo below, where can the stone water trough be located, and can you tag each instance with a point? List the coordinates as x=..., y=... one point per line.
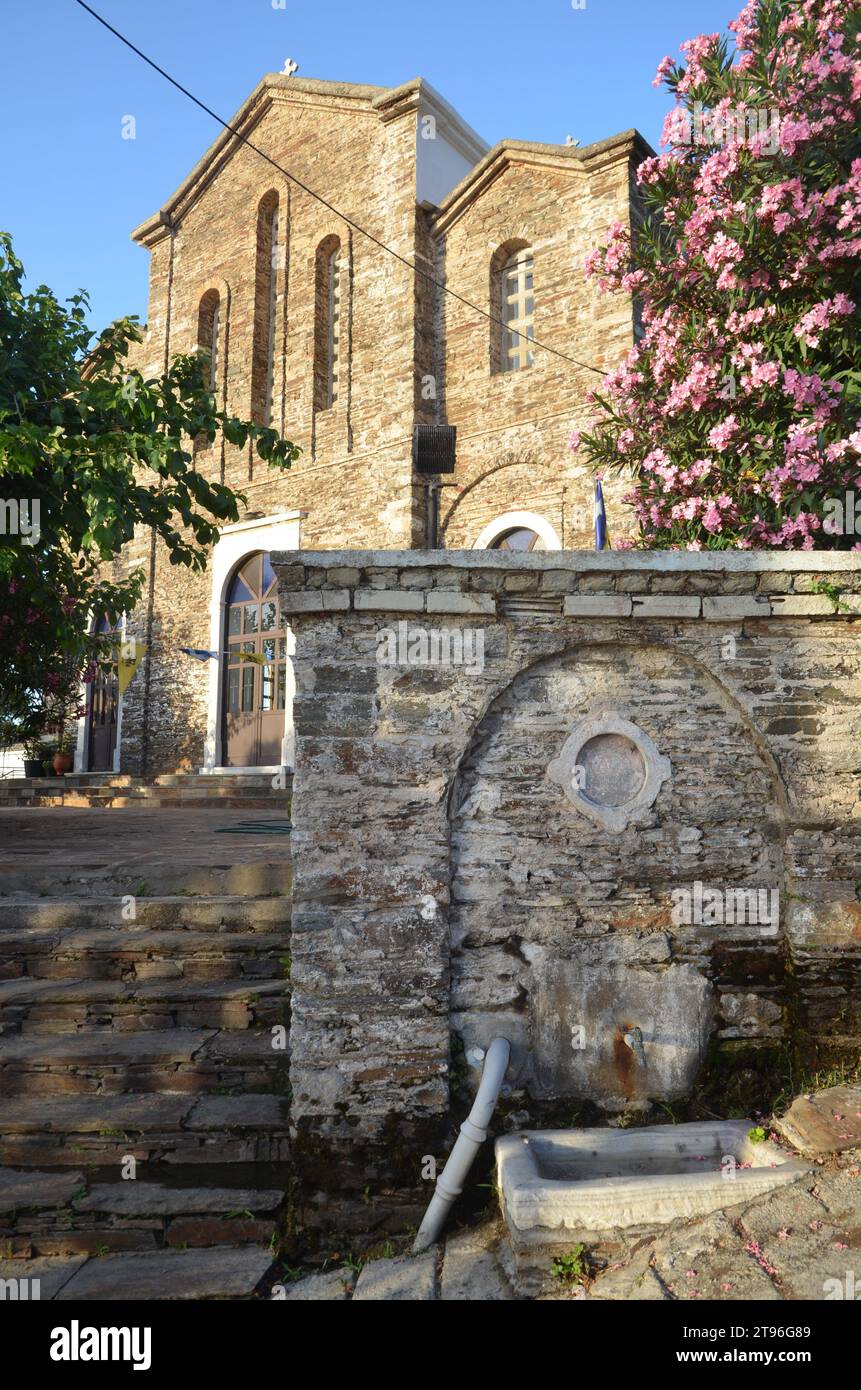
x=563, y=1184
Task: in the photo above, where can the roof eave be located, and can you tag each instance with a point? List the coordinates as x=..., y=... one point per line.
x=626, y=145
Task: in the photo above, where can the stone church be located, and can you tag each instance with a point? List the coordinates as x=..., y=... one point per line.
x=317, y=330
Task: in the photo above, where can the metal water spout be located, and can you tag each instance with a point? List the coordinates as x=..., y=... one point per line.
x=634, y=1040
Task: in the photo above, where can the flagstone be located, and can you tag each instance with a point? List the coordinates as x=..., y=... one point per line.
x=334, y=1287
x=405, y=1278
x=217, y=1272
x=150, y=1199
x=825, y=1122
x=52, y=1273
x=29, y=1189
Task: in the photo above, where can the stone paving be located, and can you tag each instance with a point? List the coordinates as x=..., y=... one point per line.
x=64, y=850
x=120, y=1078
x=802, y=1241
x=144, y=976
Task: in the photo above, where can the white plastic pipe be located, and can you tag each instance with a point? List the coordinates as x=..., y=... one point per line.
x=473, y=1133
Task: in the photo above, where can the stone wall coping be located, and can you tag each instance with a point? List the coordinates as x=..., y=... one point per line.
x=576, y=561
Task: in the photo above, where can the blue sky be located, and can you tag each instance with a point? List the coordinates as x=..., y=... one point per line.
x=72, y=188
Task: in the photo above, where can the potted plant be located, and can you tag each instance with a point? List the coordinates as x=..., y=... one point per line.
x=34, y=752
x=62, y=759
x=64, y=709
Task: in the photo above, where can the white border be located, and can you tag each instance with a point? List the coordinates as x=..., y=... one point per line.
x=509, y=520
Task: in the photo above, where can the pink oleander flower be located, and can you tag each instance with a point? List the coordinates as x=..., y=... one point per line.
x=720, y=436
x=734, y=409
x=665, y=66
x=814, y=323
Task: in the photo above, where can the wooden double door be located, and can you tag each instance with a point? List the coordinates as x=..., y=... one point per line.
x=255, y=661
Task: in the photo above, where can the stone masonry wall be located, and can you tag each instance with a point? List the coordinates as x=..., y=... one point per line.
x=441, y=880
x=356, y=147
x=353, y=481
x=513, y=427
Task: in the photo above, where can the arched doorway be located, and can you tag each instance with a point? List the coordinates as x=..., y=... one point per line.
x=255, y=666
x=103, y=701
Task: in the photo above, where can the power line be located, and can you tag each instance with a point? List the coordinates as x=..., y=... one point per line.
x=344, y=218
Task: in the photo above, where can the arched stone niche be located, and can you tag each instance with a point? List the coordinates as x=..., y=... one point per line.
x=562, y=931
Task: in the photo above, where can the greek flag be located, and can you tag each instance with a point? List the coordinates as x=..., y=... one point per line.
x=600, y=519
x=199, y=653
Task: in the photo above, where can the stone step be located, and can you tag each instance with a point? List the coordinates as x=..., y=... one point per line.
x=220, y=1272
x=260, y=780
x=224, y=1272
x=65, y=1006
x=140, y=955
x=34, y=1191
x=96, y=1131
x=150, y=1037
x=107, y=1063
x=71, y=779
x=62, y=1214
x=236, y=801
x=159, y=878
x=218, y=914
x=199, y=791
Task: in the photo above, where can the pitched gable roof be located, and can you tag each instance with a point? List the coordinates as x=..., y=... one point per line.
x=383, y=103
x=573, y=158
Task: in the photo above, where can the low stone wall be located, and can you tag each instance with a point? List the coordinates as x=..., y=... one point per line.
x=577, y=799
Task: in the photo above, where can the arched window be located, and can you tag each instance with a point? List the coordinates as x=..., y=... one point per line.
x=513, y=301
x=327, y=324
x=518, y=538
x=265, y=290
x=207, y=332
x=518, y=308
x=518, y=530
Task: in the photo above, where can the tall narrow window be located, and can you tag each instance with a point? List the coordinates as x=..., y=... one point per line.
x=265, y=294
x=327, y=324
x=207, y=332
x=270, y=345
x=518, y=307
x=334, y=362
